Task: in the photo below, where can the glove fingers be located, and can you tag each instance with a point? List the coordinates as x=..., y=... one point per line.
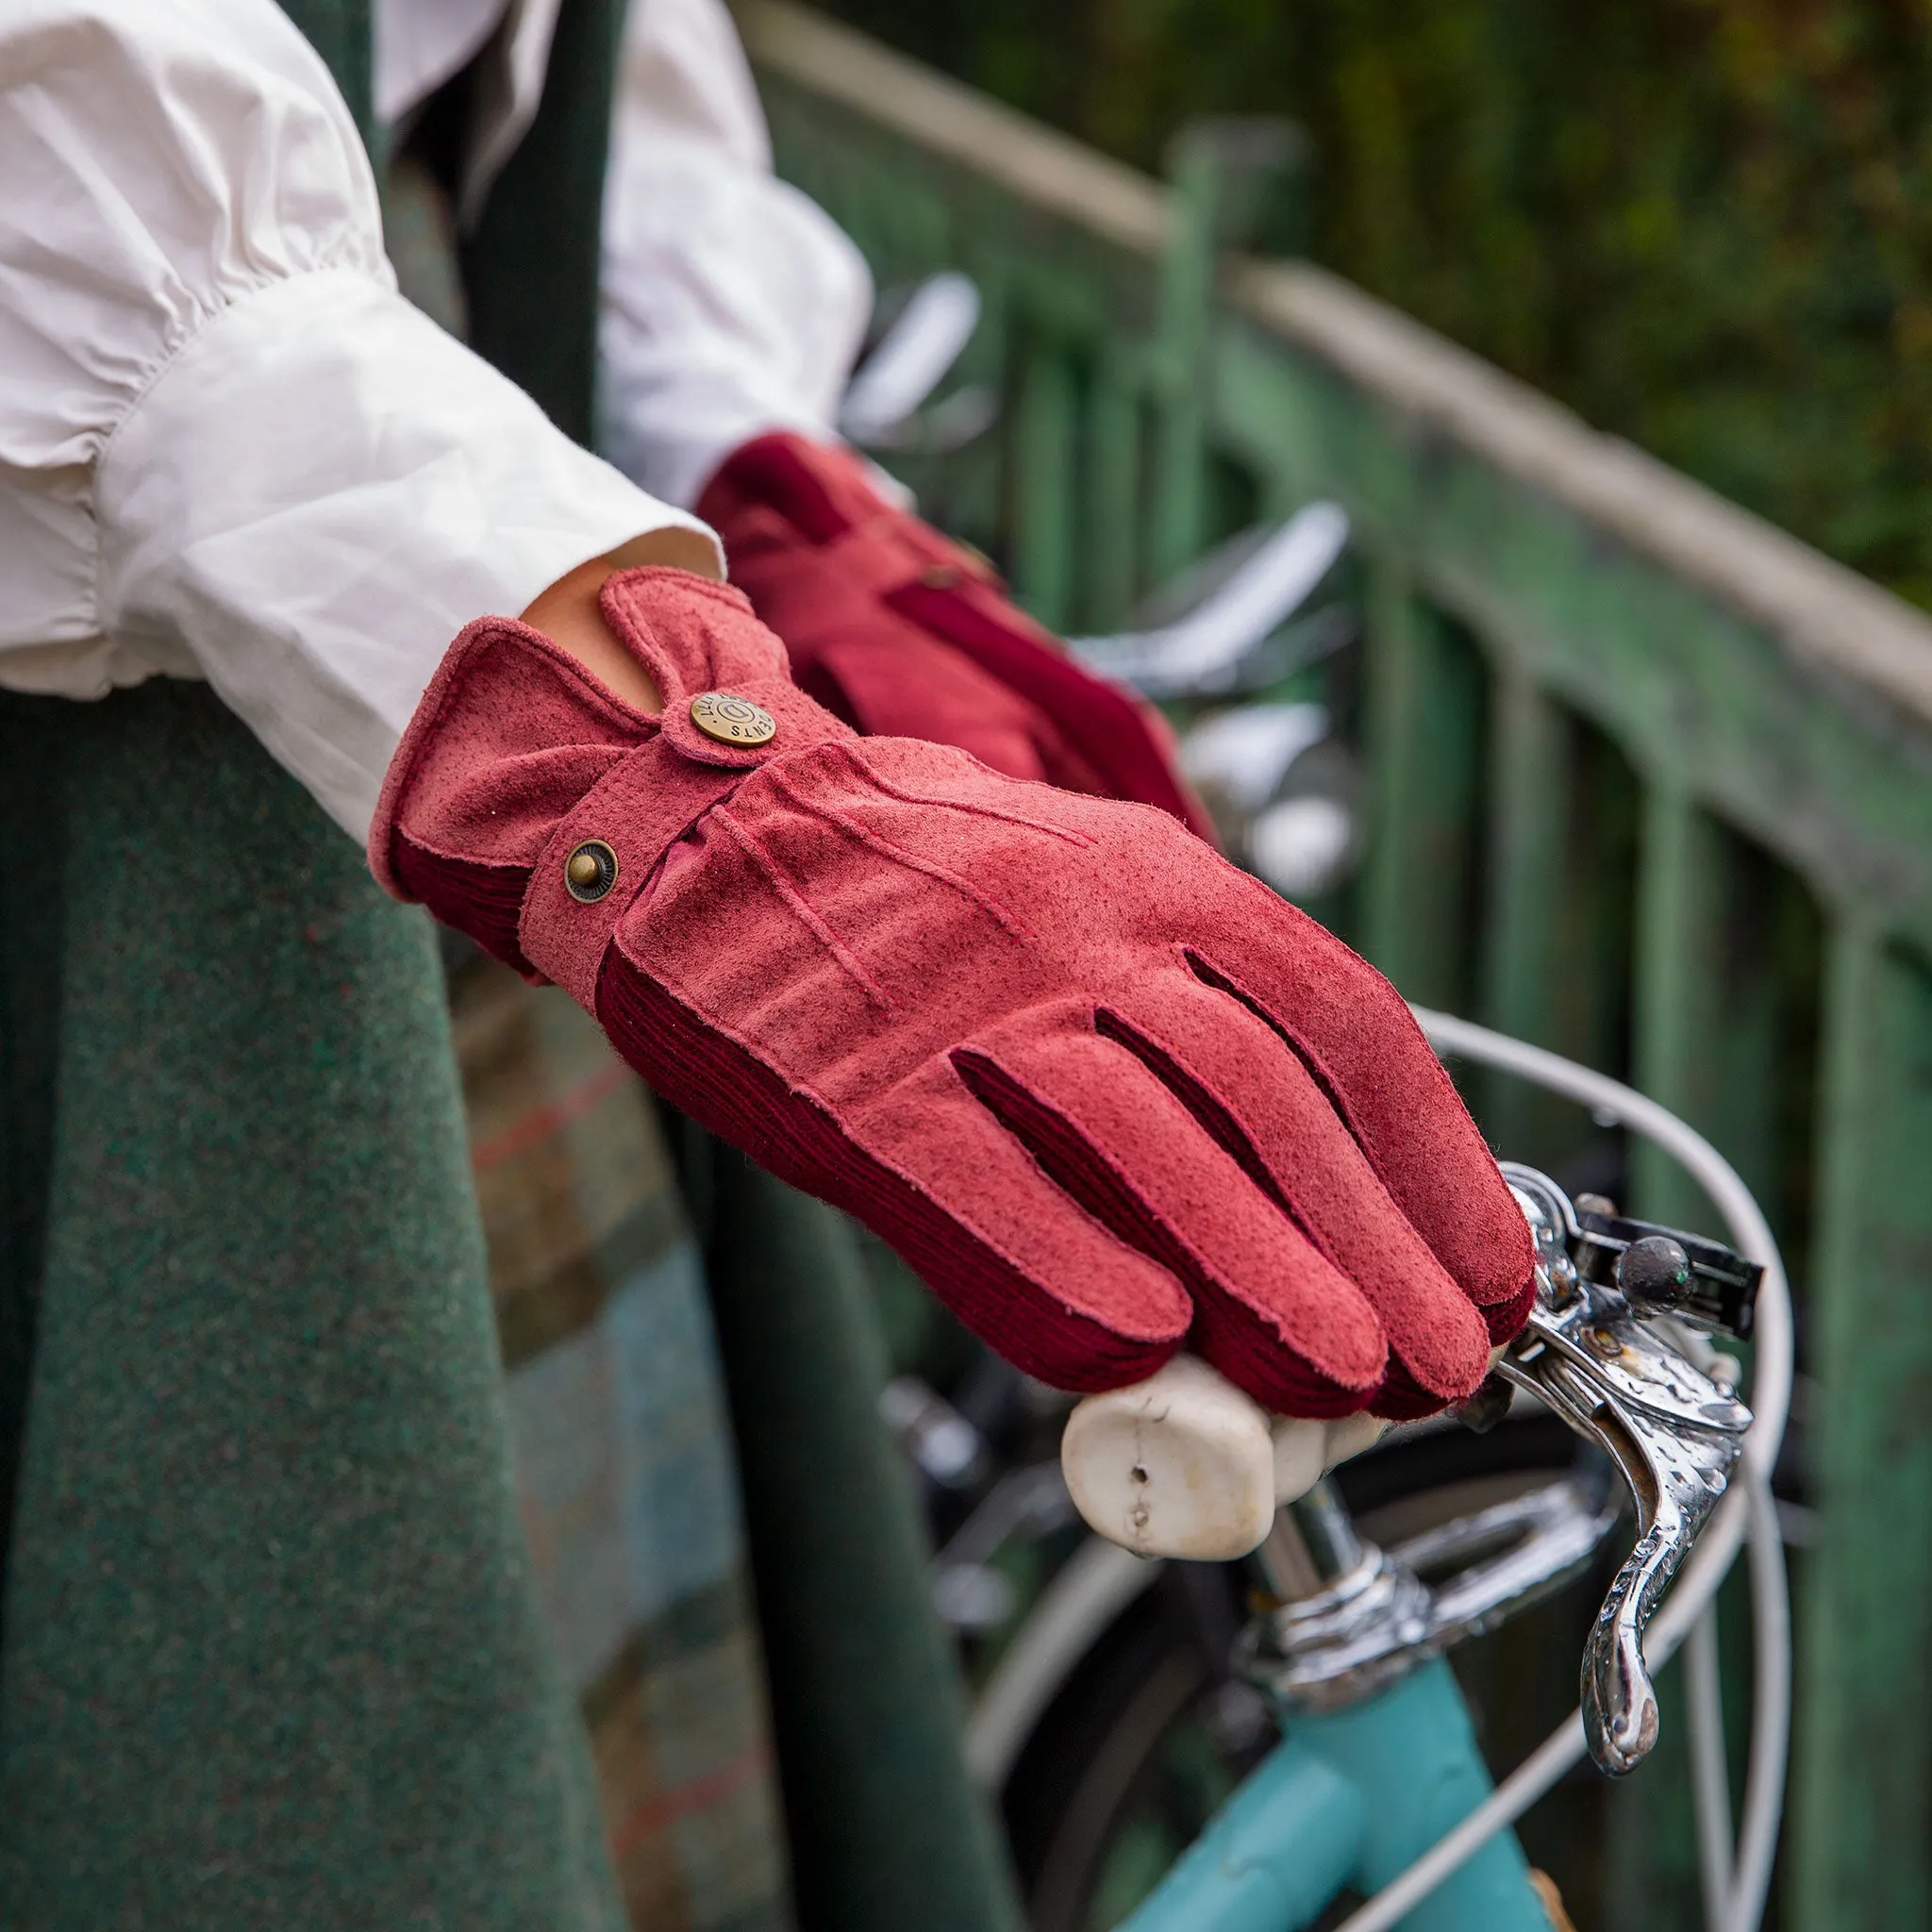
x=1274, y=1314
x=1256, y=1100
x=1360, y=1045
x=1045, y=1283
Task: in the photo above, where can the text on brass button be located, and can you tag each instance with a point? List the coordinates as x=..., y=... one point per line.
x=589, y=872
x=732, y=720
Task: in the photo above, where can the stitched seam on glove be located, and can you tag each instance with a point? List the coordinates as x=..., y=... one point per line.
x=1069, y=833
x=877, y=841
x=1401, y=1394
x=1502, y=1317
x=797, y=903
x=1216, y=1121
x=1072, y=1159
x=1210, y=974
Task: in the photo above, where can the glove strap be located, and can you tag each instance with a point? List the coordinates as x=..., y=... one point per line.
x=627, y=821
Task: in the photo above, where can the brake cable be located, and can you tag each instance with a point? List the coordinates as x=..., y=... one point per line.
x=1747, y=1512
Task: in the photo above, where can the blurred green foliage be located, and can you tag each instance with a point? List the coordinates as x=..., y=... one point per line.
x=1705, y=225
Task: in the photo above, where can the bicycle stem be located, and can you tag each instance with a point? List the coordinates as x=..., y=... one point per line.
x=1312, y=1544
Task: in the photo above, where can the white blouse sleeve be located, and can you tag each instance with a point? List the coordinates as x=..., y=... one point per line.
x=732, y=305
x=227, y=446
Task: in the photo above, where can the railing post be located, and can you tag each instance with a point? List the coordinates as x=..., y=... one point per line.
x=1425, y=734
x=1724, y=1009
x=1863, y=1853
x=1529, y=792
x=1237, y=182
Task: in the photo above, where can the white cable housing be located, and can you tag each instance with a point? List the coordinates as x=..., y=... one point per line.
x=1748, y=1509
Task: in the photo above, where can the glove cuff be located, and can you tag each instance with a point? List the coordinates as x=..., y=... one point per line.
x=815, y=490
x=527, y=805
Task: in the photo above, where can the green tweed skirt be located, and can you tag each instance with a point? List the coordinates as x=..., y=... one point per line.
x=276, y=1651
x=358, y=1575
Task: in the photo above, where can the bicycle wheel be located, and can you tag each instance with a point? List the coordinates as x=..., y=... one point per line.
x=1146, y=1738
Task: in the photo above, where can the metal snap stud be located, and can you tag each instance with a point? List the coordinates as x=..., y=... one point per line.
x=589, y=872
x=732, y=720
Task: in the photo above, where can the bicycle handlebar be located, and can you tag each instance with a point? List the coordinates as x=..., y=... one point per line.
x=1186, y=1465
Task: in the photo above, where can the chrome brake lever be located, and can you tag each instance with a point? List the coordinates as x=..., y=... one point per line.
x=1673, y=1433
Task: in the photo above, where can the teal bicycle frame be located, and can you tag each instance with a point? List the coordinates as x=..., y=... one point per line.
x=1350, y=1800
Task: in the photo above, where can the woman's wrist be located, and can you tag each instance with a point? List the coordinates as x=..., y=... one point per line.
x=568, y=612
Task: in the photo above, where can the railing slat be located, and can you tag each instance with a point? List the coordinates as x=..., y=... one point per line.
x=1042, y=481
x=1679, y=1027
x=1424, y=726
x=1679, y=1012
x=1863, y=1771
x=1114, y=509
x=1529, y=796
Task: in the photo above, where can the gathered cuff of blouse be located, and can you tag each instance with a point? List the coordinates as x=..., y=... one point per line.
x=228, y=448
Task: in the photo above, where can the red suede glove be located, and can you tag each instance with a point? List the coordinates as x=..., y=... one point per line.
x=1105, y=1091
x=905, y=634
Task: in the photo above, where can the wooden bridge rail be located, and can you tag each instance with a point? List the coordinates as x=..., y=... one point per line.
x=1650, y=780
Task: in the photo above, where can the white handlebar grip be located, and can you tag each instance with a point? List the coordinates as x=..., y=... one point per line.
x=1185, y=1465
x=1179, y=1465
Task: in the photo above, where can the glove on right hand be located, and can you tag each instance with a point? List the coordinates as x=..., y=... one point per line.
x=903, y=634
x=1106, y=1092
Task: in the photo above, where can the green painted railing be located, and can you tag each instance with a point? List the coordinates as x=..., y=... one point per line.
x=1649, y=781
